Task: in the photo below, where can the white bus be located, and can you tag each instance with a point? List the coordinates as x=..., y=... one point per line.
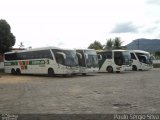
x=141, y=60
x=88, y=61
x=114, y=60
x=49, y=60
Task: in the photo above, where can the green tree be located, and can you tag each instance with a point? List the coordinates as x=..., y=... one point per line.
x=109, y=44
x=96, y=45
x=117, y=43
x=7, y=39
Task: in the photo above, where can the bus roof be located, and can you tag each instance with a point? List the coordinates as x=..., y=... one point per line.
x=139, y=51
x=111, y=50
x=37, y=49
x=84, y=49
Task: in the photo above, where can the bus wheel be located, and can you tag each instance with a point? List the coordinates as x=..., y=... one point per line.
x=50, y=72
x=13, y=72
x=134, y=68
x=110, y=69
x=18, y=71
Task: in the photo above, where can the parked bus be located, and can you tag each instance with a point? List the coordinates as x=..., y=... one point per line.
x=114, y=60
x=141, y=60
x=88, y=61
x=49, y=60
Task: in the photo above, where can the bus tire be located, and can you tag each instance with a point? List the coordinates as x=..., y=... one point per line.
x=50, y=72
x=134, y=68
x=110, y=69
x=13, y=72
x=18, y=71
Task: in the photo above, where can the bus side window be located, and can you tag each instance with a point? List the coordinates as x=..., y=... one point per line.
x=35, y=55
x=47, y=54
x=133, y=56
x=13, y=56
x=103, y=55
x=7, y=57
x=10, y=56
x=99, y=56
x=109, y=55
x=30, y=55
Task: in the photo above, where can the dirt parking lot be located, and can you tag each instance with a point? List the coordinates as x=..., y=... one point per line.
x=127, y=92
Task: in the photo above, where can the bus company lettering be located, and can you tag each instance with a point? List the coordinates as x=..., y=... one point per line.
x=38, y=62
x=24, y=64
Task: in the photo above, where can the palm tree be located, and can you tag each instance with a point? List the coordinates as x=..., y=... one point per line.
x=117, y=43
x=109, y=44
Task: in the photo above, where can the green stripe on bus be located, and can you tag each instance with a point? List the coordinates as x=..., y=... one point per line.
x=10, y=63
x=31, y=62
x=101, y=62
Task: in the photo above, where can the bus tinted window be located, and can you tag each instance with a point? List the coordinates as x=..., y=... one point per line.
x=109, y=55
x=29, y=55
x=118, y=58
x=39, y=54
x=133, y=56
x=106, y=55
x=12, y=56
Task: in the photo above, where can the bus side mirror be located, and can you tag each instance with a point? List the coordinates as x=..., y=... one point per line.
x=79, y=55
x=61, y=53
x=99, y=57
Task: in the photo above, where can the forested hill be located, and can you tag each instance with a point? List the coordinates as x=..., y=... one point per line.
x=150, y=45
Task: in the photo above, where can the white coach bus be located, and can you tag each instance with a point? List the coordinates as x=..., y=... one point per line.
x=141, y=60
x=114, y=60
x=88, y=61
x=48, y=60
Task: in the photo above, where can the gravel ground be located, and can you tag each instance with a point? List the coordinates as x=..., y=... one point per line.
x=127, y=92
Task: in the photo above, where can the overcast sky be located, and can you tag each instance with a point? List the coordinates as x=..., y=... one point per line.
x=77, y=23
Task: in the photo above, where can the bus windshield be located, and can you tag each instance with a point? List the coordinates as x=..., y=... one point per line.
x=126, y=57
x=71, y=58
x=122, y=58
x=91, y=58
x=144, y=58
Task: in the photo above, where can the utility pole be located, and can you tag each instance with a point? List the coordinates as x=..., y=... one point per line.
x=138, y=44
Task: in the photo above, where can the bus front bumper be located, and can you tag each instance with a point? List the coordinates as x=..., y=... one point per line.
x=71, y=70
x=123, y=68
